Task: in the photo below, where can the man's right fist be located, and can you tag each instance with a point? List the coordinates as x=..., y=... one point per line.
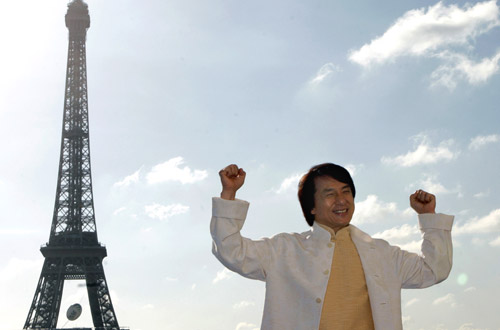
x=232, y=178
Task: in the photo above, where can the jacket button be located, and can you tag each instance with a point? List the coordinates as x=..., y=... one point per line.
x=329, y=245
x=318, y=300
x=326, y=272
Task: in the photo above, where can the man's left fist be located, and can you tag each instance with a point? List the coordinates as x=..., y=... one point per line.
x=423, y=202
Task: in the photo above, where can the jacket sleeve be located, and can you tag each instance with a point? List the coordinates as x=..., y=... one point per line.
x=434, y=264
x=242, y=255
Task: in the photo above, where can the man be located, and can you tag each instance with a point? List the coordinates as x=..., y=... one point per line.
x=333, y=276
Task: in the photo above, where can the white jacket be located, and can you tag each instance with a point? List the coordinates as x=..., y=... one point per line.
x=293, y=266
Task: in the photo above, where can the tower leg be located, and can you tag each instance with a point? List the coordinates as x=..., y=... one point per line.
x=44, y=310
x=103, y=314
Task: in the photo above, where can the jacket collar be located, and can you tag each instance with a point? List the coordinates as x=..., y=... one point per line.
x=319, y=234
x=358, y=236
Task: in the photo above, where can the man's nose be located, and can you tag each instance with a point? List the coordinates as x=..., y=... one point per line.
x=340, y=199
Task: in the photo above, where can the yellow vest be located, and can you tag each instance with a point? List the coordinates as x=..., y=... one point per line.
x=346, y=305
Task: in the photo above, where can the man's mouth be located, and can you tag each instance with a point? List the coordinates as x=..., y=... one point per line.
x=340, y=211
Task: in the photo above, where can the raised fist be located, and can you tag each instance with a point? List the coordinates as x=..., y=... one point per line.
x=232, y=178
x=423, y=202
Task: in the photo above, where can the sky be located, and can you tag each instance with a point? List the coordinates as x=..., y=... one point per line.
x=402, y=93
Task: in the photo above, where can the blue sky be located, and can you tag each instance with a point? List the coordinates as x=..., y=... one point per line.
x=404, y=94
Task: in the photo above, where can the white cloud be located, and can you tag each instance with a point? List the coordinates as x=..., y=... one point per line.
x=413, y=246
x=482, y=194
x=401, y=236
x=449, y=299
x=171, y=170
x=406, y=320
x=171, y=279
x=128, y=180
x=353, y=169
x=480, y=141
x=17, y=231
x=16, y=267
x=162, y=212
x=423, y=32
x=459, y=66
x=324, y=72
x=246, y=326
x=470, y=289
x=222, y=275
x=486, y=224
x=434, y=187
x=148, y=306
x=411, y=302
x=398, y=233
x=430, y=184
x=478, y=241
x=114, y=295
x=432, y=33
x=372, y=209
x=495, y=242
x=289, y=183
x=469, y=326
x=440, y=327
x=424, y=153
x=408, y=212
x=319, y=92
x=119, y=210
x=243, y=304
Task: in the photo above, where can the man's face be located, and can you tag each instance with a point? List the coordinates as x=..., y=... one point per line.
x=333, y=203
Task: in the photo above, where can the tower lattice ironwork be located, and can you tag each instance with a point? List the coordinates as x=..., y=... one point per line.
x=73, y=251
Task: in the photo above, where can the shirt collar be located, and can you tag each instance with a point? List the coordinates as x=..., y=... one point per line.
x=333, y=236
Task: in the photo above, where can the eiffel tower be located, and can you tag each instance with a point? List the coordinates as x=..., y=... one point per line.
x=73, y=251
